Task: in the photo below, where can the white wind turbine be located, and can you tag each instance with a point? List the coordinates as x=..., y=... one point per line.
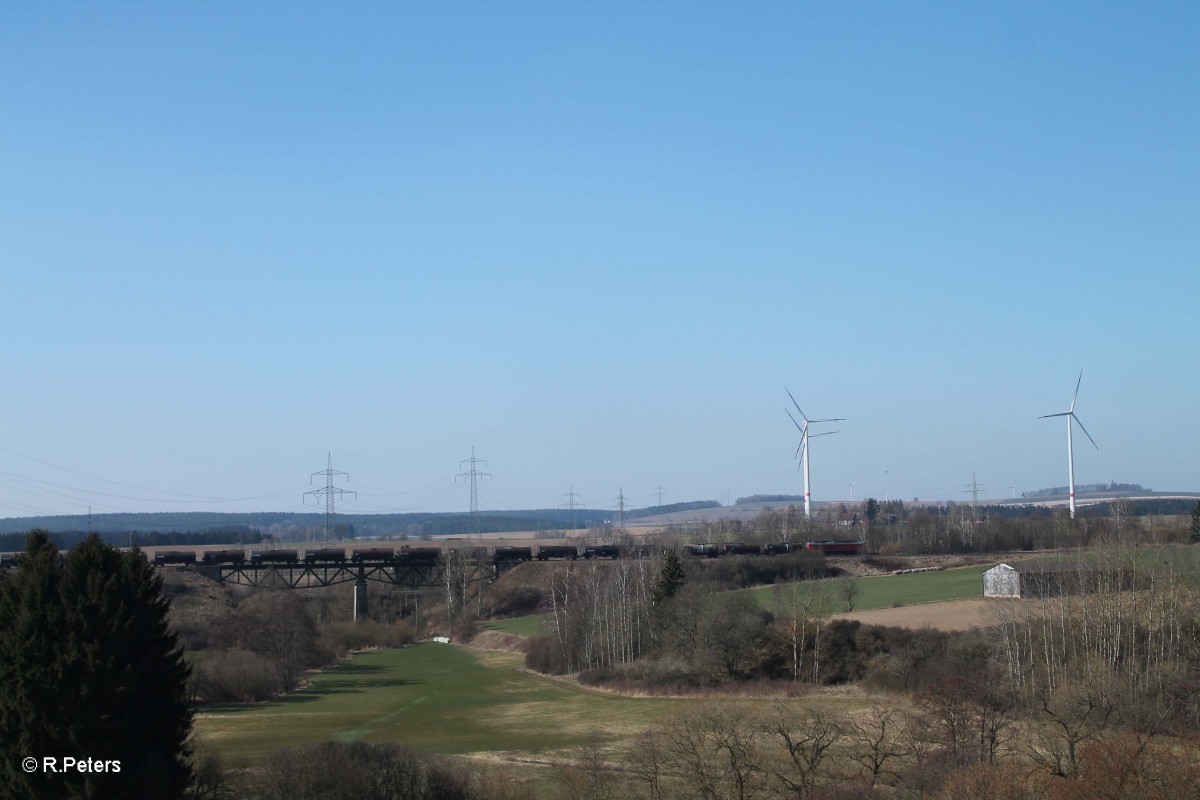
x=1070, y=415
x=856, y=480
x=802, y=449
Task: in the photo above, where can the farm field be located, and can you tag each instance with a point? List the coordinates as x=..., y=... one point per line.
x=945, y=615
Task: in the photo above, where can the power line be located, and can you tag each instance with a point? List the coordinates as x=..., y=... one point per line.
x=571, y=504
x=328, y=492
x=620, y=508
x=659, y=492
x=473, y=475
x=973, y=487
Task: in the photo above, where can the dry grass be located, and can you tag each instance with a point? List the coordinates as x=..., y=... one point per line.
x=948, y=615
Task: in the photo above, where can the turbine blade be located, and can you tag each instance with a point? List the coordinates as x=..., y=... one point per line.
x=831, y=419
x=797, y=405
x=826, y=433
x=1076, y=396
x=793, y=419
x=1093, y=441
x=1061, y=414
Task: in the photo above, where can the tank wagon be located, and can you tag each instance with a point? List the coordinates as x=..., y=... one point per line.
x=510, y=553
x=741, y=549
x=420, y=555
x=556, y=551
x=704, y=550
x=385, y=555
x=275, y=557
x=603, y=551
x=224, y=557
x=325, y=556
x=163, y=557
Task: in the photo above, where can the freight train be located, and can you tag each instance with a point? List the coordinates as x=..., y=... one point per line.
x=498, y=554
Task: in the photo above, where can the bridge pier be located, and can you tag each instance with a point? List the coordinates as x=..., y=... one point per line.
x=360, y=598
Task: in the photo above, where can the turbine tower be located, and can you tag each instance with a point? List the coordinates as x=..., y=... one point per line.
x=802, y=450
x=1071, y=418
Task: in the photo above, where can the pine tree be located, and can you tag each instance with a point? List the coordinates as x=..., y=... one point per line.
x=32, y=708
x=670, y=578
x=115, y=687
x=1196, y=523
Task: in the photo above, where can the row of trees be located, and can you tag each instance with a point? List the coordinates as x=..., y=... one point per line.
x=959, y=741
x=891, y=527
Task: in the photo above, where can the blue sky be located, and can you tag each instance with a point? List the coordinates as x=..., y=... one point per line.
x=594, y=241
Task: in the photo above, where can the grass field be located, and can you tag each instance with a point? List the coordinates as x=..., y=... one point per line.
x=888, y=591
x=433, y=697
x=518, y=626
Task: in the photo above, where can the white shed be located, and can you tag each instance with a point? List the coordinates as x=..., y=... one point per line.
x=1001, y=581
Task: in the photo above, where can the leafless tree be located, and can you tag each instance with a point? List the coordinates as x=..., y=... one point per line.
x=880, y=740
x=807, y=737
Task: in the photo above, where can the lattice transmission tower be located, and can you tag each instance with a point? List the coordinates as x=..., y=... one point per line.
x=472, y=476
x=571, y=503
x=328, y=491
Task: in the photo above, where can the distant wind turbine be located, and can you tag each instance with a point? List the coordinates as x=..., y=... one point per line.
x=802, y=449
x=856, y=480
x=1071, y=417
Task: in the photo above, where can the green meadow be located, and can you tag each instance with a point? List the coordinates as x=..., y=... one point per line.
x=433, y=697
x=889, y=591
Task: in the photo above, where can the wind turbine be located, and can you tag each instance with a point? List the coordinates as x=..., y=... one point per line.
x=802, y=450
x=1071, y=417
x=856, y=480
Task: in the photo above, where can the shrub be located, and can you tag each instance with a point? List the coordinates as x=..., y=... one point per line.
x=361, y=771
x=340, y=638
x=545, y=656
x=236, y=676
x=515, y=601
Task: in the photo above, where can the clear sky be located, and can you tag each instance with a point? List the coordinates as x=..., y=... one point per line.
x=595, y=241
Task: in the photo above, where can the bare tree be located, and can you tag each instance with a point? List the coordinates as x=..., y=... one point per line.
x=848, y=590
x=807, y=738
x=882, y=740
x=714, y=753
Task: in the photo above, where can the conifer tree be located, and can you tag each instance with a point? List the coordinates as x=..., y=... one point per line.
x=94, y=674
x=32, y=711
x=670, y=578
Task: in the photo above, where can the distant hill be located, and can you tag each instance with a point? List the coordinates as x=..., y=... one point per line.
x=289, y=525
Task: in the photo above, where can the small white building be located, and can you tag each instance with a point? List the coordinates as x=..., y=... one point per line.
x=1002, y=581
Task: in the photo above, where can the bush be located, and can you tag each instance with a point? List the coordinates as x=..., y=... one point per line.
x=361, y=771
x=545, y=656
x=514, y=601
x=236, y=676
x=339, y=638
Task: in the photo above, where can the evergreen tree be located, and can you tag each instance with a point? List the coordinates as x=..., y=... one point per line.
x=32, y=708
x=1196, y=523
x=112, y=684
x=670, y=578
